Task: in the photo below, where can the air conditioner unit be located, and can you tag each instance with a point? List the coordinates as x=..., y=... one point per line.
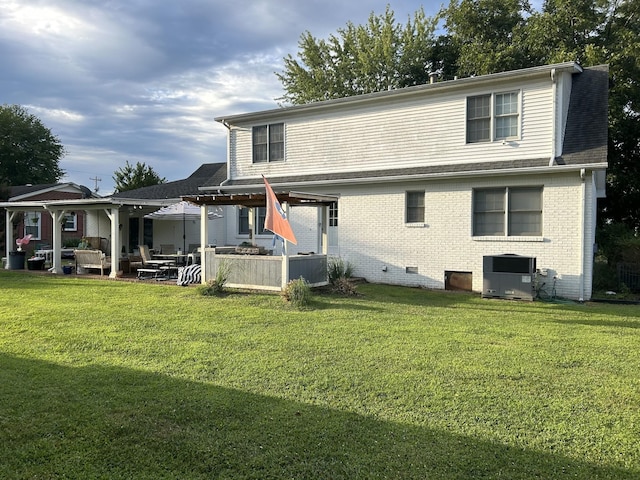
x=508, y=276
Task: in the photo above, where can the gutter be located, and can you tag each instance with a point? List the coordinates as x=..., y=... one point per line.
x=554, y=114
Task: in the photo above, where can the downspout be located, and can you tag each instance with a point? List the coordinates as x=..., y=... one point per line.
x=554, y=113
x=582, y=233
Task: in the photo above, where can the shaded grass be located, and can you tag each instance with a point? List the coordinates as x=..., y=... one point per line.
x=105, y=379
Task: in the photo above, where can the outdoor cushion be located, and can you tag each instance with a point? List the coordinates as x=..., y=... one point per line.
x=188, y=275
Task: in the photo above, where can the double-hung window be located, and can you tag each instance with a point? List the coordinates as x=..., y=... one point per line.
x=268, y=143
x=414, y=212
x=510, y=211
x=259, y=216
x=493, y=117
x=33, y=224
x=70, y=223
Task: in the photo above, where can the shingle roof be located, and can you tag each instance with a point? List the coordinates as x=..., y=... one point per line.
x=585, y=139
x=206, y=174
x=21, y=190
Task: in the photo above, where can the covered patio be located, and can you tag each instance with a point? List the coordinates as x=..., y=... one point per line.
x=249, y=268
x=265, y=272
x=104, y=216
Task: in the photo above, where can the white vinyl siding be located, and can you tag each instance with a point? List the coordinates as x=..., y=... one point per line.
x=421, y=132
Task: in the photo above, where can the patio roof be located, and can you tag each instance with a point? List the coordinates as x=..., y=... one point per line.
x=260, y=199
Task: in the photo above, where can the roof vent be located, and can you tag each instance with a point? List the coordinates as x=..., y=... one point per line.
x=433, y=76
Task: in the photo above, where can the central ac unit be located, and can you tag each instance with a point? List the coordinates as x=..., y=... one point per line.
x=508, y=276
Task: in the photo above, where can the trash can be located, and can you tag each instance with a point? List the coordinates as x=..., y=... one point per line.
x=16, y=260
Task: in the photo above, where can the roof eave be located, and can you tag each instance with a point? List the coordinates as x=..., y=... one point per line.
x=571, y=67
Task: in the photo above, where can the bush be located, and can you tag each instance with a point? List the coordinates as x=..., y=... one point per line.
x=298, y=293
x=216, y=285
x=344, y=286
x=605, y=277
x=339, y=268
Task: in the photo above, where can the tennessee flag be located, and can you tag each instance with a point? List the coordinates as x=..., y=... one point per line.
x=276, y=220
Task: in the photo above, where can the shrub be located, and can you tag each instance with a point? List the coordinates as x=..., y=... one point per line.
x=216, y=285
x=298, y=293
x=344, y=286
x=339, y=268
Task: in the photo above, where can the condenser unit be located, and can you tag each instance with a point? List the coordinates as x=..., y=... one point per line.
x=508, y=276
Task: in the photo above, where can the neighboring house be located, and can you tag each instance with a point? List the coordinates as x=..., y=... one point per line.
x=38, y=222
x=432, y=178
x=139, y=230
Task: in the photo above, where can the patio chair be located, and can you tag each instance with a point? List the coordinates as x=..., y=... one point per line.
x=149, y=265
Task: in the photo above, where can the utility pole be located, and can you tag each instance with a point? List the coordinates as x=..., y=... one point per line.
x=96, y=180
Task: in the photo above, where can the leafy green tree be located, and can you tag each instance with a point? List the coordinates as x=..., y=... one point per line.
x=487, y=34
x=380, y=55
x=29, y=152
x=131, y=177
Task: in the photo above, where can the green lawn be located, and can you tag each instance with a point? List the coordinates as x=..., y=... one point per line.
x=109, y=379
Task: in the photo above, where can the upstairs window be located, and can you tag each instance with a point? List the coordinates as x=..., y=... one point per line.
x=493, y=117
x=507, y=211
x=268, y=143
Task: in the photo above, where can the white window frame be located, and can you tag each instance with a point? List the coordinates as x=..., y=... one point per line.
x=259, y=216
x=71, y=222
x=410, y=209
x=493, y=117
x=35, y=229
x=507, y=211
x=269, y=145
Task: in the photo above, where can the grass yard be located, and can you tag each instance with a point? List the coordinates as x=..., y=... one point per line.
x=118, y=380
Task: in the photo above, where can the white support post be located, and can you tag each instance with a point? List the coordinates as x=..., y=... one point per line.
x=57, y=216
x=285, y=252
x=204, y=241
x=9, y=216
x=325, y=229
x=114, y=218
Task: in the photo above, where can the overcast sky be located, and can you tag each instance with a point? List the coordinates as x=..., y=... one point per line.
x=142, y=80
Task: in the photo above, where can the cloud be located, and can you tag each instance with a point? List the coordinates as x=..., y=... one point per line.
x=142, y=80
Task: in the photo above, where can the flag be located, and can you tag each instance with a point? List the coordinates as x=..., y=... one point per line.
x=276, y=220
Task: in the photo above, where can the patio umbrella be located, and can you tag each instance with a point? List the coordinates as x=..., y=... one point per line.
x=181, y=210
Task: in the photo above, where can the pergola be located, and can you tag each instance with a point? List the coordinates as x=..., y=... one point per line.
x=59, y=208
x=253, y=200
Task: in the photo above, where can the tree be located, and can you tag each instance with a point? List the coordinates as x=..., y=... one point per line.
x=380, y=55
x=131, y=177
x=490, y=36
x=29, y=152
x=487, y=35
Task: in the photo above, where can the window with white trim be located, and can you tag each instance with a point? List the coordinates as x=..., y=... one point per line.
x=259, y=216
x=414, y=207
x=33, y=224
x=509, y=211
x=268, y=143
x=493, y=116
x=70, y=223
x=333, y=214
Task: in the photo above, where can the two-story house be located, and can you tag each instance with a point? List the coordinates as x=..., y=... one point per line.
x=431, y=179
